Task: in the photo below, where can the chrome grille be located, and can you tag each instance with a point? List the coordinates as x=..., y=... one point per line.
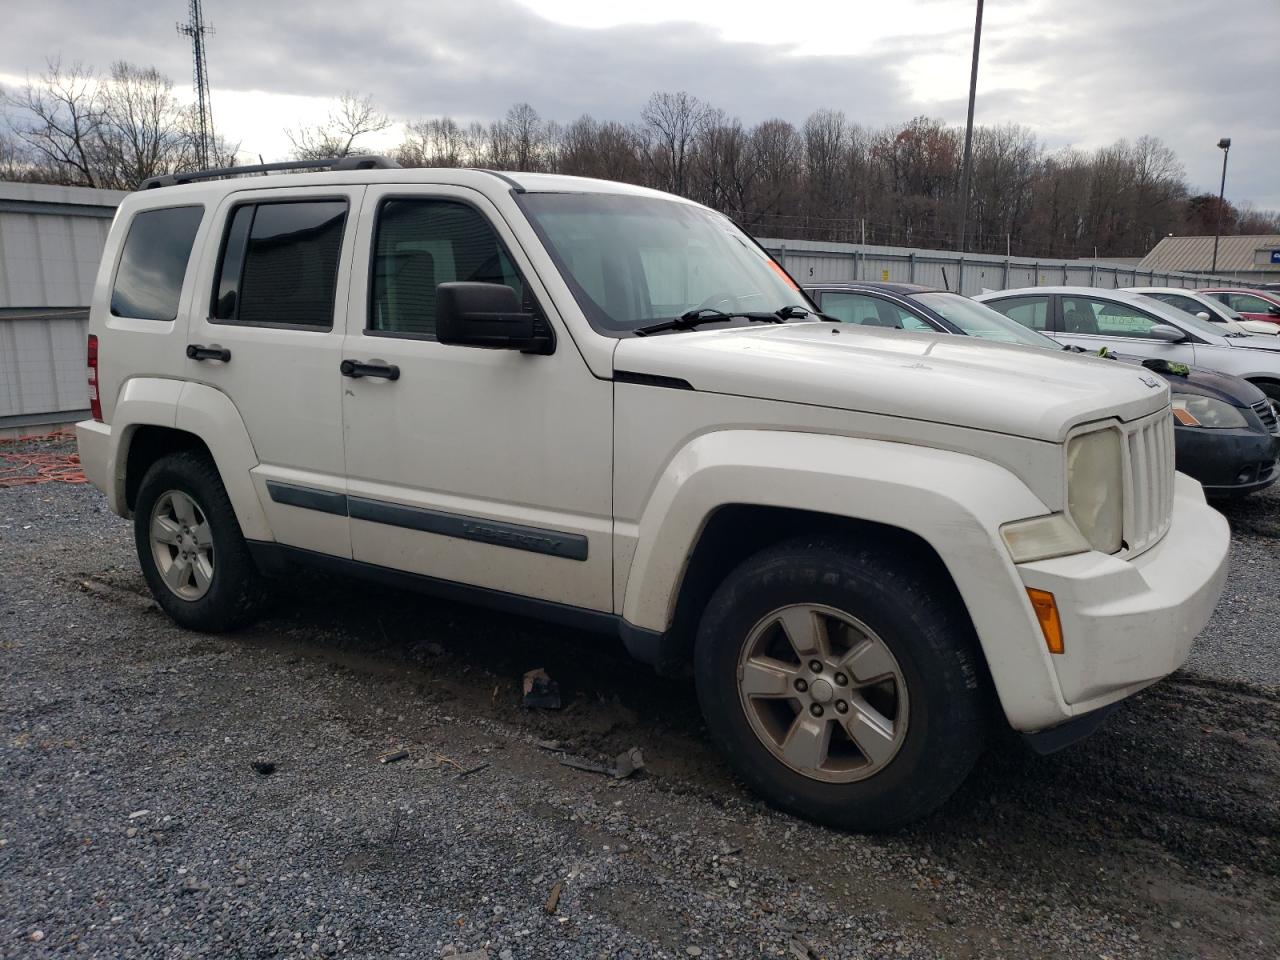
x=1149, y=493
x=1267, y=414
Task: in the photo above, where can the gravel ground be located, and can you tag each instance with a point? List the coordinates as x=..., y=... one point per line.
x=133, y=821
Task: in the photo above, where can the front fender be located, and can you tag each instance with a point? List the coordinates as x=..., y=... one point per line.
x=954, y=502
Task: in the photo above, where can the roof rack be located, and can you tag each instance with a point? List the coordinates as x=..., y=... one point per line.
x=331, y=163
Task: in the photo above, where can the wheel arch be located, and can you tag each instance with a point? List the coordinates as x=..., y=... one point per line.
x=161, y=417
x=1270, y=385
x=732, y=493
x=735, y=532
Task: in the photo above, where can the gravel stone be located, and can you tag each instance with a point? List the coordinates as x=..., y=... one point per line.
x=1152, y=839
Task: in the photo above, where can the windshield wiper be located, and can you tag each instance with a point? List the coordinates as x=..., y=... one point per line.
x=795, y=311
x=691, y=318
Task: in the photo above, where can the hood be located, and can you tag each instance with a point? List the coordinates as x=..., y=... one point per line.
x=963, y=381
x=1255, y=341
x=1208, y=383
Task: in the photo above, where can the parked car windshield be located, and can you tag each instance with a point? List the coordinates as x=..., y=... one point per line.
x=978, y=320
x=631, y=261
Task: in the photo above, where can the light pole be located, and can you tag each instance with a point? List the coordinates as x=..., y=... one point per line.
x=968, y=130
x=1225, y=146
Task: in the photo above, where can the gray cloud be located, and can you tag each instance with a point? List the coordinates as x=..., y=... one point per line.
x=1180, y=71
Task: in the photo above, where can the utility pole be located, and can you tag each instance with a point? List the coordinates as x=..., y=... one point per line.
x=968, y=132
x=196, y=29
x=1225, y=146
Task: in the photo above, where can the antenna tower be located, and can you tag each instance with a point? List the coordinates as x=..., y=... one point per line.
x=196, y=29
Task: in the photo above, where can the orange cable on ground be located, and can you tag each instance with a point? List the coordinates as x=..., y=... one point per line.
x=20, y=468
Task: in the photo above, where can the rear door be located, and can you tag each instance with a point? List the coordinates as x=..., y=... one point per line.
x=274, y=299
x=1253, y=307
x=488, y=468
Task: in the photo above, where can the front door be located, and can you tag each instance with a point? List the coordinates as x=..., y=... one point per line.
x=274, y=299
x=1094, y=322
x=489, y=468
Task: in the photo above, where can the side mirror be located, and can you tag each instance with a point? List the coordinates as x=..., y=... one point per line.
x=1274, y=310
x=1204, y=315
x=487, y=315
x=1166, y=332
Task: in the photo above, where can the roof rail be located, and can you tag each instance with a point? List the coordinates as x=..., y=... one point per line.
x=369, y=162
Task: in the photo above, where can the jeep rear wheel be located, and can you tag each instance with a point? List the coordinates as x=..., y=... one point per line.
x=840, y=686
x=190, y=547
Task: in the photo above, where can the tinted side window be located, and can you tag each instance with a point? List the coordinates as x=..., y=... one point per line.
x=279, y=263
x=154, y=262
x=1031, y=312
x=870, y=312
x=419, y=244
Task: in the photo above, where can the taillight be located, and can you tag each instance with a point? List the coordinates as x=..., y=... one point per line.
x=95, y=403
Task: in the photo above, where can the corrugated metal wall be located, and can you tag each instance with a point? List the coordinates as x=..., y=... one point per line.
x=51, y=241
x=42, y=367
x=817, y=262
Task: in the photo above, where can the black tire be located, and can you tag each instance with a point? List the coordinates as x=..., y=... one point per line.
x=926, y=630
x=236, y=592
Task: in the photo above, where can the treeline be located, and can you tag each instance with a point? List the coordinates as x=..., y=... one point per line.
x=827, y=179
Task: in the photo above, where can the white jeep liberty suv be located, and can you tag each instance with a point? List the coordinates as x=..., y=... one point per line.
x=610, y=408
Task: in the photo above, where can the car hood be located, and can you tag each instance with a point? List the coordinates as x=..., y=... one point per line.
x=1209, y=383
x=963, y=381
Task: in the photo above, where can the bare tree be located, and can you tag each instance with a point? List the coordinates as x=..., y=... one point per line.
x=141, y=131
x=354, y=117
x=438, y=142
x=58, y=119
x=674, y=120
x=526, y=131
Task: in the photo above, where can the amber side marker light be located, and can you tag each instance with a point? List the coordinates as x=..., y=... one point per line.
x=1046, y=609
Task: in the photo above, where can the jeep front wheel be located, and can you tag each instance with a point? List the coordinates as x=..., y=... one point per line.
x=841, y=686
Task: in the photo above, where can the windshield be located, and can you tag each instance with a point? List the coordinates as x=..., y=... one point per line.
x=632, y=261
x=979, y=320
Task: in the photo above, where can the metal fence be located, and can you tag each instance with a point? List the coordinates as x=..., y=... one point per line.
x=813, y=261
x=51, y=239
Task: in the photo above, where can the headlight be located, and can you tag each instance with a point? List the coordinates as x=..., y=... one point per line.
x=1192, y=411
x=1095, y=488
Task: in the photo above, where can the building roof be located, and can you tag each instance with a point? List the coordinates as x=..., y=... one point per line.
x=1235, y=254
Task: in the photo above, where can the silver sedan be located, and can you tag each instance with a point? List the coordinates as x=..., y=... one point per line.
x=1140, y=326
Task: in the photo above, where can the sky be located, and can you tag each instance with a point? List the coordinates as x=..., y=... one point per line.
x=1079, y=74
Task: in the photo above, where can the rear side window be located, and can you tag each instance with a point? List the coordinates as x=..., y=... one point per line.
x=153, y=263
x=1031, y=312
x=279, y=264
x=420, y=244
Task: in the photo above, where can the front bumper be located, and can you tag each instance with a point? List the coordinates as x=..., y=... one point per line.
x=1128, y=622
x=1227, y=461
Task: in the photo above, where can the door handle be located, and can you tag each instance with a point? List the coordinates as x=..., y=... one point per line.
x=196, y=351
x=358, y=368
